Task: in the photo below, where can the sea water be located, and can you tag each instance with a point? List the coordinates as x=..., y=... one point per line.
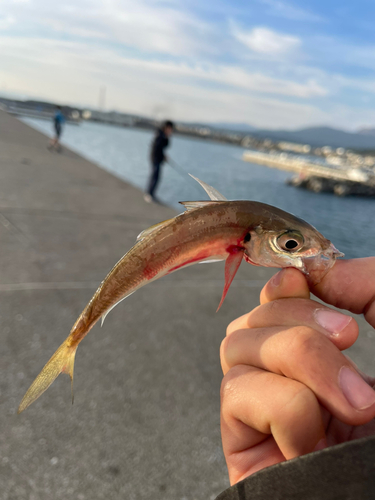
x=348, y=222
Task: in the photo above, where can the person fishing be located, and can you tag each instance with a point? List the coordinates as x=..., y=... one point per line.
x=158, y=157
x=58, y=121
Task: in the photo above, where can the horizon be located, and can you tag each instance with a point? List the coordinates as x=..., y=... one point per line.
x=271, y=64
x=224, y=125
x=218, y=124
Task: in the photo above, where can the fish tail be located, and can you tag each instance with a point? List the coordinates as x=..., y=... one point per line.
x=61, y=362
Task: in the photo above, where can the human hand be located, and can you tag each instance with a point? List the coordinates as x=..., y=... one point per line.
x=288, y=390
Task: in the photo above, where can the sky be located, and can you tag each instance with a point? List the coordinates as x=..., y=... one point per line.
x=267, y=63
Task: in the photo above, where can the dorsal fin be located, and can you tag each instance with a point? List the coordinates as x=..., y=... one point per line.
x=212, y=192
x=151, y=229
x=191, y=205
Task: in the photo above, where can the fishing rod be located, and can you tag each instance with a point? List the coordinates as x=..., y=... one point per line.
x=177, y=167
x=180, y=170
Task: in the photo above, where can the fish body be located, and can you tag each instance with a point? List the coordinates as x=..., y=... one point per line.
x=208, y=231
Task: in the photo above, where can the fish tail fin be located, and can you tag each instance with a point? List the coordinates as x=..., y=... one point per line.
x=61, y=362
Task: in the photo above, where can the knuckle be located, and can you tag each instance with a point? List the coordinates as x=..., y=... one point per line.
x=300, y=401
x=271, y=310
x=271, y=306
x=223, y=361
x=223, y=347
x=305, y=341
x=229, y=347
x=254, y=314
x=306, y=350
x=229, y=383
x=231, y=327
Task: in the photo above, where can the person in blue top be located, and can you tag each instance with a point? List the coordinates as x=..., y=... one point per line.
x=58, y=121
x=158, y=157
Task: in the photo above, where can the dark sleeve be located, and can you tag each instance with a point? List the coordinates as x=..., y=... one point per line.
x=160, y=143
x=158, y=146
x=342, y=472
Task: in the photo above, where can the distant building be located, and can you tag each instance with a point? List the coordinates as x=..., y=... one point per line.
x=294, y=147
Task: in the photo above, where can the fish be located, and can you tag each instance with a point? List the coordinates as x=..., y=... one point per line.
x=208, y=231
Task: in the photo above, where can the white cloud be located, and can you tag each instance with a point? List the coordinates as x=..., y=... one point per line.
x=260, y=83
x=158, y=55
x=152, y=26
x=80, y=56
x=265, y=41
x=6, y=22
x=74, y=72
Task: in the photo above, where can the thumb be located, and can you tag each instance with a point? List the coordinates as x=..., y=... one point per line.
x=350, y=285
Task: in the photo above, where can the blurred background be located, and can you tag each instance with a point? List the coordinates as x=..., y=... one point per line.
x=272, y=101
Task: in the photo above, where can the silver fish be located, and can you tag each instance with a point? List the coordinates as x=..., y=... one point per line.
x=208, y=231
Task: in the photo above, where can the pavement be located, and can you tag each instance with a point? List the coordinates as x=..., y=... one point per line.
x=145, y=419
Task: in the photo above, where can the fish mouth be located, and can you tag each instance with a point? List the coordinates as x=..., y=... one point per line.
x=249, y=261
x=317, y=266
x=335, y=253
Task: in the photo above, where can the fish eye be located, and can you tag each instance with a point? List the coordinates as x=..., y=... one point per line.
x=247, y=237
x=290, y=241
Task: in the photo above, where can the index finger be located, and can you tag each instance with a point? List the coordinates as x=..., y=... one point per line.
x=286, y=284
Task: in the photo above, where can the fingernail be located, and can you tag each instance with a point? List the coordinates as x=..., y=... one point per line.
x=276, y=278
x=332, y=321
x=321, y=445
x=359, y=394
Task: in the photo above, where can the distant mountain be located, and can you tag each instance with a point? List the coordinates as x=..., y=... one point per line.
x=367, y=131
x=315, y=136
x=321, y=136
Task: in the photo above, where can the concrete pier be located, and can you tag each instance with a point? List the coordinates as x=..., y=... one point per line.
x=145, y=421
x=319, y=178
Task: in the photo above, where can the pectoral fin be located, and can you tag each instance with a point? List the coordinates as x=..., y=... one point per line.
x=114, y=305
x=231, y=267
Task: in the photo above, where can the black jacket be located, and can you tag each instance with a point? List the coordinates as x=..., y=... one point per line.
x=158, y=146
x=342, y=472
